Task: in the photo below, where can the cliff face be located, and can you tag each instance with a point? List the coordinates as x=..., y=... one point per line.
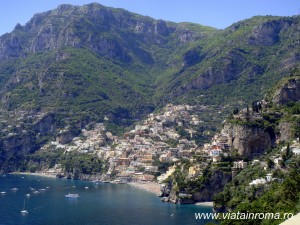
x=250, y=141
x=289, y=92
x=216, y=183
x=91, y=26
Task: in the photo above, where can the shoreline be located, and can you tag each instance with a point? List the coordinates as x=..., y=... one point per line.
x=40, y=174
x=151, y=187
x=210, y=204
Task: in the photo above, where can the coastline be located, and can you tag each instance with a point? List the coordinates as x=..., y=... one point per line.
x=152, y=187
x=40, y=174
x=210, y=204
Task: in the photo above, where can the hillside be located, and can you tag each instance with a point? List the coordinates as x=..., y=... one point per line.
x=252, y=164
x=75, y=65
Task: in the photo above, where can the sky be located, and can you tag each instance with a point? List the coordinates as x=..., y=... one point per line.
x=215, y=13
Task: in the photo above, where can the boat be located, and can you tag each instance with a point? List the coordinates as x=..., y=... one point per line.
x=2, y=192
x=36, y=192
x=14, y=189
x=27, y=195
x=72, y=195
x=42, y=190
x=86, y=187
x=119, y=182
x=24, y=211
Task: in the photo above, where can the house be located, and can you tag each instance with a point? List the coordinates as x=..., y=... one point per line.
x=296, y=151
x=278, y=161
x=215, y=152
x=269, y=177
x=193, y=171
x=152, y=169
x=239, y=164
x=258, y=181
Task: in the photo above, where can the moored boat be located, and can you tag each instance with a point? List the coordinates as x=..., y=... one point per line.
x=72, y=195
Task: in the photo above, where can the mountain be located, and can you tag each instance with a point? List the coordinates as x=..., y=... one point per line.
x=90, y=58
x=74, y=65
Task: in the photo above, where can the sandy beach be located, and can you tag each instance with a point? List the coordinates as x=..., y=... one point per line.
x=37, y=174
x=151, y=186
x=211, y=204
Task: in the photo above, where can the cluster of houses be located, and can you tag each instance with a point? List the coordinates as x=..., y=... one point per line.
x=134, y=156
x=218, y=146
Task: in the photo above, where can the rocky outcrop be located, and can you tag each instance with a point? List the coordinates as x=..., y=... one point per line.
x=90, y=26
x=248, y=140
x=285, y=130
x=267, y=33
x=216, y=183
x=290, y=91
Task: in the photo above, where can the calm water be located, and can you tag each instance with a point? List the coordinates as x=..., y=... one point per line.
x=105, y=204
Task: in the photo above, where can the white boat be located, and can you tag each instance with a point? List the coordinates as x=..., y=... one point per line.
x=14, y=189
x=72, y=195
x=86, y=187
x=27, y=195
x=36, y=192
x=119, y=182
x=24, y=211
x=3, y=193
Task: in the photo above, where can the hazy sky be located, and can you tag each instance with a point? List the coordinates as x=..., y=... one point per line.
x=215, y=13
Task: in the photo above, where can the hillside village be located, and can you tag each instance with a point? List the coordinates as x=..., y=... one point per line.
x=154, y=148
x=160, y=139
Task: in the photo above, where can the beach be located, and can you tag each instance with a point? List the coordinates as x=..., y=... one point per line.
x=36, y=174
x=211, y=204
x=147, y=186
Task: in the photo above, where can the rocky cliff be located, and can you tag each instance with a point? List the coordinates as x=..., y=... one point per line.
x=288, y=92
x=215, y=183
x=248, y=140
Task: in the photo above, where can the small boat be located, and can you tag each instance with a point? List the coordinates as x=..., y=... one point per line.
x=72, y=195
x=27, y=195
x=86, y=187
x=14, y=189
x=24, y=211
x=96, y=181
x=2, y=192
x=36, y=192
x=119, y=182
x=32, y=189
x=42, y=190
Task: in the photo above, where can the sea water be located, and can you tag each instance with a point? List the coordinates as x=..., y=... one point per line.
x=99, y=204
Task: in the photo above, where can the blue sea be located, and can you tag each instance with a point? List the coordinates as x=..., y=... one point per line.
x=102, y=204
